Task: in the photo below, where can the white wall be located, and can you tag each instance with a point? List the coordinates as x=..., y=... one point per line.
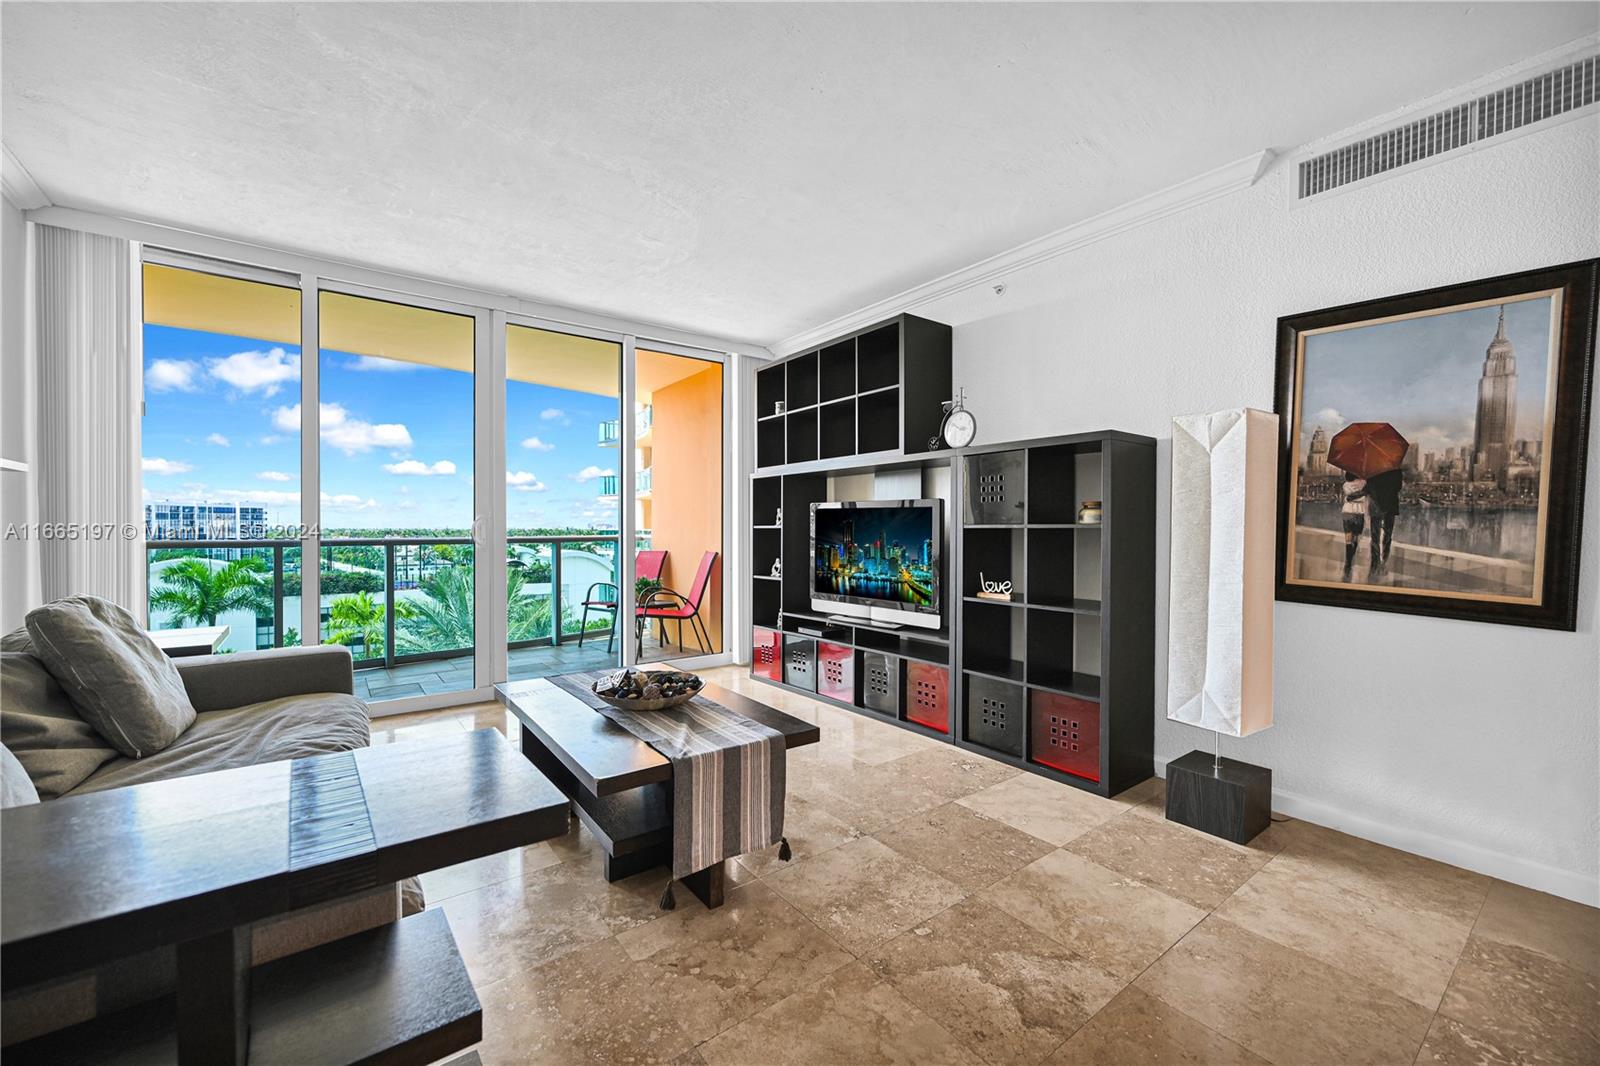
x=1470, y=742
x=18, y=573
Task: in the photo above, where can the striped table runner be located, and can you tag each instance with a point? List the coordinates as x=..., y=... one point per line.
x=727, y=774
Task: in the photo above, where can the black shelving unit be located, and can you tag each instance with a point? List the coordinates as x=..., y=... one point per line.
x=1057, y=680
x=874, y=392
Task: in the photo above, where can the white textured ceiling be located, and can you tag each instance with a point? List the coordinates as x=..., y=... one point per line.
x=740, y=170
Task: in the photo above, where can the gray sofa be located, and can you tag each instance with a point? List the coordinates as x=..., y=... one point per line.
x=251, y=707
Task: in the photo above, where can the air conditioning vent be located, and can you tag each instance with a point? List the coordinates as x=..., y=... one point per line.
x=1483, y=118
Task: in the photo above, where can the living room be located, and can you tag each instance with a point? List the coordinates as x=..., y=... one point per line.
x=751, y=533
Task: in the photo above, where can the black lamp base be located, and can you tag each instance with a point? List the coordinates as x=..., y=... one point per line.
x=1234, y=803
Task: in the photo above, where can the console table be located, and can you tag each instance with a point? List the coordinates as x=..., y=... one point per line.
x=621, y=787
x=194, y=861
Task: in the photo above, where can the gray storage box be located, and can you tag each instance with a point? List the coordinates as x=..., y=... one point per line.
x=995, y=489
x=880, y=682
x=996, y=714
x=800, y=662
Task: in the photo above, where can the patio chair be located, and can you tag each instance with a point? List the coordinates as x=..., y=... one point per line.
x=647, y=564
x=664, y=605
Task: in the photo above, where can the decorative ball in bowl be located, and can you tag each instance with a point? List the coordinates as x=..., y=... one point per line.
x=647, y=690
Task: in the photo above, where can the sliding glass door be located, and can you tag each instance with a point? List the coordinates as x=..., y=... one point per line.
x=221, y=469
x=428, y=458
x=678, y=498
x=395, y=384
x=563, y=398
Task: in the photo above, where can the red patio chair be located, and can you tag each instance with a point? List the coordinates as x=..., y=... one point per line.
x=648, y=564
x=665, y=605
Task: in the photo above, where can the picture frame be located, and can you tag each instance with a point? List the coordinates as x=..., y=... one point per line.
x=1475, y=505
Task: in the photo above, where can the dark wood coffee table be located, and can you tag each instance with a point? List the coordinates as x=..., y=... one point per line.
x=193, y=861
x=621, y=787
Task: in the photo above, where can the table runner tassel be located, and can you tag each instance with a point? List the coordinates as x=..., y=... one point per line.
x=783, y=849
x=667, y=902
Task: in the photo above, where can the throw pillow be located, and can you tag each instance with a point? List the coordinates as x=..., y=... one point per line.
x=39, y=724
x=120, y=682
x=15, y=788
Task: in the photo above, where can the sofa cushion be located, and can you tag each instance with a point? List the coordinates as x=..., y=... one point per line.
x=39, y=724
x=288, y=728
x=120, y=682
x=16, y=789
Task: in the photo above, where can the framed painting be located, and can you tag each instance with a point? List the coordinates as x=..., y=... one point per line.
x=1433, y=449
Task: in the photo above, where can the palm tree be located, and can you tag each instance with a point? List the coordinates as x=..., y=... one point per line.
x=355, y=618
x=195, y=592
x=441, y=619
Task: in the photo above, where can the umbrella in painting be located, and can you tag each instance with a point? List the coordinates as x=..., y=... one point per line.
x=1367, y=449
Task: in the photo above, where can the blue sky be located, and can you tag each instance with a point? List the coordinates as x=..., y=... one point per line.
x=222, y=425
x=1421, y=374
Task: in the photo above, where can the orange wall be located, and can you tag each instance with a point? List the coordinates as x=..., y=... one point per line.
x=686, y=490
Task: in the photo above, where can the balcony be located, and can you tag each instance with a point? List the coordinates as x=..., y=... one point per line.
x=611, y=431
x=403, y=606
x=641, y=485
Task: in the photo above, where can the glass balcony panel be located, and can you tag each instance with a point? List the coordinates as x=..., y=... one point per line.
x=199, y=584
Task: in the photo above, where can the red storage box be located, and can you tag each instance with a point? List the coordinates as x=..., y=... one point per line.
x=1066, y=734
x=836, y=671
x=766, y=654
x=928, y=695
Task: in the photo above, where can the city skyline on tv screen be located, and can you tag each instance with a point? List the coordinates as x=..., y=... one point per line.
x=877, y=553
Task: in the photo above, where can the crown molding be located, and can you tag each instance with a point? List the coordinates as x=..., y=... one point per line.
x=18, y=185
x=1188, y=194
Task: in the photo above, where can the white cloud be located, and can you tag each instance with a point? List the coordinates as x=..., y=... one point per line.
x=349, y=435
x=348, y=502
x=381, y=365
x=1328, y=417
x=273, y=438
x=263, y=372
x=589, y=473
x=523, y=481
x=535, y=444
x=218, y=439
x=168, y=375
x=416, y=468
x=165, y=466
x=555, y=414
x=275, y=475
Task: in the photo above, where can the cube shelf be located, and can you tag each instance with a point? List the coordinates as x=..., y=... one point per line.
x=1058, y=679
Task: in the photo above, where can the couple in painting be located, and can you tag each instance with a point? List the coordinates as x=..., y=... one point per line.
x=1370, y=504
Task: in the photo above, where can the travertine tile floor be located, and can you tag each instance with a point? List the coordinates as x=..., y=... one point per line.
x=943, y=908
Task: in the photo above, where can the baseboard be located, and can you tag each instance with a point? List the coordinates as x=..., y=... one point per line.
x=1519, y=871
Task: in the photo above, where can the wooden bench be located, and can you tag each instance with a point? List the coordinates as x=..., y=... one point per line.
x=194, y=861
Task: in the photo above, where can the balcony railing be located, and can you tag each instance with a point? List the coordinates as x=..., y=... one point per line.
x=390, y=600
x=610, y=483
x=611, y=430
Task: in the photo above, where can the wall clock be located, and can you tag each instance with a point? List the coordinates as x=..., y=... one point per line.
x=959, y=427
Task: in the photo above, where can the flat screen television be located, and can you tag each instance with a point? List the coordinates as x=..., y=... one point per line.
x=878, y=560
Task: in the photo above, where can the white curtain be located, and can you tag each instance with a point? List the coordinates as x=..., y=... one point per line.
x=90, y=382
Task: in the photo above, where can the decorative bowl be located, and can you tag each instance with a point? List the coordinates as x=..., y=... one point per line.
x=681, y=688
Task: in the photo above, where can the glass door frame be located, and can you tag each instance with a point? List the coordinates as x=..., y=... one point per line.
x=730, y=549
x=498, y=518
x=483, y=391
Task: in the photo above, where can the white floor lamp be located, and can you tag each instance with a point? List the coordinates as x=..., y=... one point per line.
x=1219, y=645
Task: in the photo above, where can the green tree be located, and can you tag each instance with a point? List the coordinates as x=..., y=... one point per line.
x=439, y=620
x=195, y=592
x=357, y=618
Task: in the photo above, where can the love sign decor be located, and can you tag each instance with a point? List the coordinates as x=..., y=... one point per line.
x=993, y=590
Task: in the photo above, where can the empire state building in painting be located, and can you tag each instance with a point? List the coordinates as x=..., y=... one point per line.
x=1494, y=435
